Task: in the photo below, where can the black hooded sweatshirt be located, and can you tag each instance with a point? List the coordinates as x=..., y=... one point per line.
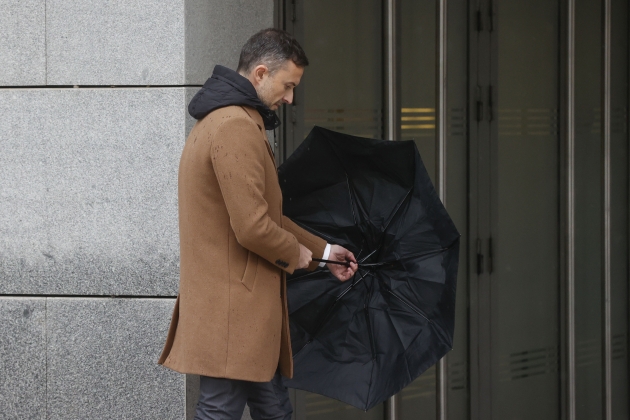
x=224, y=88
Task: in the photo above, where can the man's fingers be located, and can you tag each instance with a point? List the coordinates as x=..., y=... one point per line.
x=306, y=257
x=342, y=254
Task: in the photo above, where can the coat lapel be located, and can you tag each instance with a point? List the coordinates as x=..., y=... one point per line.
x=259, y=122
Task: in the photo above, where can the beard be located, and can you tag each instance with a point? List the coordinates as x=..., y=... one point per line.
x=265, y=95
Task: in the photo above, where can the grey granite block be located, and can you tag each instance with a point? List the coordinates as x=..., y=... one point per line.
x=22, y=42
x=190, y=121
x=147, y=42
x=88, y=190
x=216, y=31
x=102, y=360
x=22, y=358
x=94, y=42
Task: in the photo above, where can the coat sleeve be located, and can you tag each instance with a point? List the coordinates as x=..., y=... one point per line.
x=238, y=158
x=314, y=243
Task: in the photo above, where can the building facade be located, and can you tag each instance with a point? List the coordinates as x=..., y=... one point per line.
x=93, y=120
x=519, y=110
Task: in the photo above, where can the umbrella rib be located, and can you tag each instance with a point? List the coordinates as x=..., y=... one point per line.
x=354, y=206
x=330, y=310
x=325, y=318
x=393, y=215
x=307, y=274
x=392, y=325
x=354, y=283
x=420, y=254
x=370, y=334
x=378, y=264
x=398, y=207
x=359, y=253
x=352, y=203
x=410, y=305
x=368, y=256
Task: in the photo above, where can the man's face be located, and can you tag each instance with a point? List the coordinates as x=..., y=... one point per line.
x=276, y=89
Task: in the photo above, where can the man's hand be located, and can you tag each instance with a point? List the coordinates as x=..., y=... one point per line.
x=305, y=257
x=339, y=253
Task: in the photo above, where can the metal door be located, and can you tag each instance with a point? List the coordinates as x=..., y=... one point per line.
x=515, y=211
x=525, y=176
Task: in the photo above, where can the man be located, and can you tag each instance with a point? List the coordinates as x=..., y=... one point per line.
x=230, y=322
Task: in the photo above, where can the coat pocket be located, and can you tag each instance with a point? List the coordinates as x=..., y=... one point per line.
x=249, y=276
x=171, y=333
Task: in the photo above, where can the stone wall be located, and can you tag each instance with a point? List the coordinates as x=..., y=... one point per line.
x=93, y=117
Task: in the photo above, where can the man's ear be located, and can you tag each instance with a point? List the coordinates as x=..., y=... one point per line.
x=259, y=72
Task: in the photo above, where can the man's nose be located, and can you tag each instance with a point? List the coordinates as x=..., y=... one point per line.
x=288, y=98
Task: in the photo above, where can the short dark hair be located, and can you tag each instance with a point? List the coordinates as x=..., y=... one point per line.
x=271, y=47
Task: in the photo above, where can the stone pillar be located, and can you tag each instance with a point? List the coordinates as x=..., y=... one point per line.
x=93, y=118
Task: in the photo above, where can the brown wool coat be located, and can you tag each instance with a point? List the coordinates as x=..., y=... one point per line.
x=230, y=318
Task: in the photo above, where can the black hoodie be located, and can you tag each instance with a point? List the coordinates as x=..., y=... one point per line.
x=226, y=87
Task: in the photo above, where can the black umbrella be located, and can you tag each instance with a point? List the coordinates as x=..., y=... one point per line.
x=364, y=340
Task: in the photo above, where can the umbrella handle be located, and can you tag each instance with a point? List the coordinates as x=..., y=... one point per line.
x=346, y=263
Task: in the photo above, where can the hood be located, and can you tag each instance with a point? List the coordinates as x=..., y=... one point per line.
x=224, y=88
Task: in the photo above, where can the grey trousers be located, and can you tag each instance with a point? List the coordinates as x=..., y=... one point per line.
x=225, y=399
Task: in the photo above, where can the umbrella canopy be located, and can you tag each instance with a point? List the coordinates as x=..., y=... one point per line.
x=363, y=340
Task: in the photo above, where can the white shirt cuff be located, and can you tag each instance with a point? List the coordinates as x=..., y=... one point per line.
x=325, y=256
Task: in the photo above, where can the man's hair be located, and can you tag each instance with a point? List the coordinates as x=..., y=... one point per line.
x=271, y=47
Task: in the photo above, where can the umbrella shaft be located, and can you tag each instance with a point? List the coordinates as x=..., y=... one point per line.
x=347, y=264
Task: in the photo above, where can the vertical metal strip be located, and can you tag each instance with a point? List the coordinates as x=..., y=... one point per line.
x=570, y=212
x=442, y=99
x=391, y=131
x=606, y=289
x=392, y=408
x=442, y=126
x=390, y=69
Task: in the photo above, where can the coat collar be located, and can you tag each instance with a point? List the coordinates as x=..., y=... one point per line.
x=254, y=115
x=227, y=87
